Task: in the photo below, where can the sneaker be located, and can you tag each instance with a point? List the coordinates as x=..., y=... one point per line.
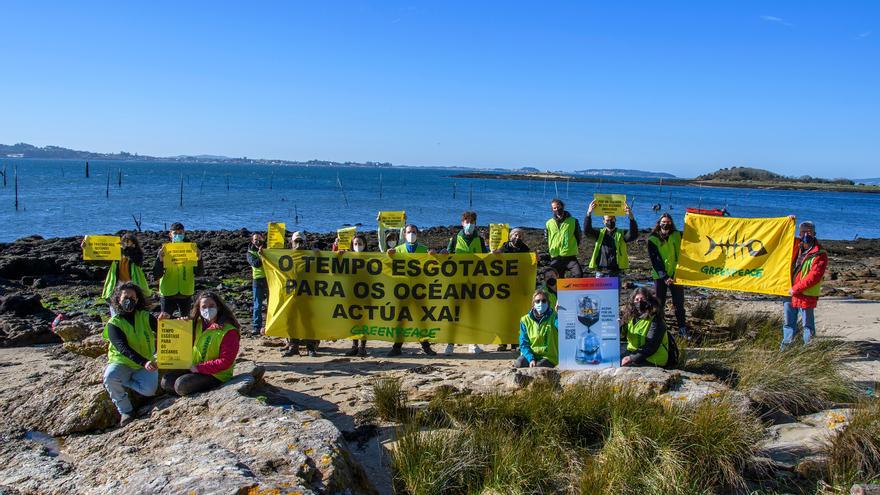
x=395, y=351
x=125, y=419
x=683, y=333
x=290, y=351
x=428, y=351
x=352, y=352
x=449, y=350
x=475, y=349
x=362, y=352
x=502, y=348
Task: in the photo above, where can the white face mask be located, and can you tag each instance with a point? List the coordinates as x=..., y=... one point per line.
x=411, y=237
x=540, y=307
x=468, y=228
x=208, y=313
x=357, y=248
x=392, y=243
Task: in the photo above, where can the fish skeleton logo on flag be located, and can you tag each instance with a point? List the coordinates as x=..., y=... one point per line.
x=743, y=254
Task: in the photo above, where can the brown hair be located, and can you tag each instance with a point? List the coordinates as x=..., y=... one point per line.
x=656, y=230
x=559, y=201
x=633, y=313
x=469, y=215
x=141, y=303
x=224, y=312
x=128, y=236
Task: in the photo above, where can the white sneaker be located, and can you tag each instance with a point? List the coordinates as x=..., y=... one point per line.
x=475, y=349
x=449, y=349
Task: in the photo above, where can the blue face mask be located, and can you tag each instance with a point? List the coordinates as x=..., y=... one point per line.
x=177, y=238
x=541, y=307
x=807, y=239
x=469, y=228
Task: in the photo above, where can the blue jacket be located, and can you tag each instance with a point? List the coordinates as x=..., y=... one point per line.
x=525, y=347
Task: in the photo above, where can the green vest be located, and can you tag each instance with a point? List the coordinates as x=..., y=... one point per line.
x=813, y=290
x=560, y=238
x=207, y=348
x=137, y=276
x=420, y=248
x=543, y=336
x=622, y=257
x=668, y=251
x=464, y=247
x=139, y=337
x=257, y=271
x=177, y=280
x=637, y=332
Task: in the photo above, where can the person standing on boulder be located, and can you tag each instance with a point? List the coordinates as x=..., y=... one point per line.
x=664, y=245
x=131, y=361
x=538, y=335
x=563, y=234
x=260, y=285
x=215, y=347
x=411, y=245
x=808, y=264
x=176, y=283
x=128, y=269
x=610, y=256
x=467, y=241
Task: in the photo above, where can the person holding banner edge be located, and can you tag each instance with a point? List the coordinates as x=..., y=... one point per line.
x=808, y=264
x=131, y=362
x=538, y=335
x=177, y=283
x=664, y=246
x=410, y=246
x=467, y=241
x=563, y=233
x=610, y=256
x=215, y=348
x=299, y=242
x=260, y=285
x=358, y=245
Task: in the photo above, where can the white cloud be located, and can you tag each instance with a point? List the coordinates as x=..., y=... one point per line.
x=778, y=20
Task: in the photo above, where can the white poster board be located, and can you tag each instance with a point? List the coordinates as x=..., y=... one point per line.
x=589, y=332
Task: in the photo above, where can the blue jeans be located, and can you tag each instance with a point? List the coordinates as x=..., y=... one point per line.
x=261, y=293
x=118, y=377
x=789, y=327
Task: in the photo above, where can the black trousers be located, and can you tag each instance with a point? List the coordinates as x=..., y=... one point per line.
x=399, y=345
x=184, y=382
x=521, y=362
x=171, y=303
x=677, y=292
x=311, y=345
x=565, y=264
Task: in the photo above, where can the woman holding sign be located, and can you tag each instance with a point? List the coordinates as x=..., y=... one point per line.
x=131, y=354
x=129, y=268
x=647, y=342
x=215, y=347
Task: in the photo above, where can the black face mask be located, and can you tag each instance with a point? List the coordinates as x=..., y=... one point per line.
x=258, y=244
x=642, y=306
x=127, y=305
x=610, y=224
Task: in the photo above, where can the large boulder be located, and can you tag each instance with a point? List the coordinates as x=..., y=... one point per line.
x=17, y=331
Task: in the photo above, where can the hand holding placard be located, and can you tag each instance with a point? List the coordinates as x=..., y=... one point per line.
x=102, y=248
x=174, y=344
x=610, y=204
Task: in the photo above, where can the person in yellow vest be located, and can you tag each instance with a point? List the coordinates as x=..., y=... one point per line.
x=131, y=353
x=260, y=285
x=647, y=342
x=299, y=242
x=467, y=241
x=538, y=335
x=610, y=256
x=176, y=283
x=563, y=233
x=411, y=245
x=808, y=264
x=128, y=269
x=664, y=246
x=215, y=348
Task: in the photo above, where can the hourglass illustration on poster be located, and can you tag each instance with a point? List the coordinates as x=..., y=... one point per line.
x=589, y=349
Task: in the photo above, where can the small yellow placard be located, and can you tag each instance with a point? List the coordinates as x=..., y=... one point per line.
x=345, y=236
x=275, y=233
x=175, y=344
x=498, y=234
x=392, y=219
x=180, y=254
x=102, y=248
x=610, y=204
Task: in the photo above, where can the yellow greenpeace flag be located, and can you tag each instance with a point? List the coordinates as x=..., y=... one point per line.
x=744, y=254
x=461, y=299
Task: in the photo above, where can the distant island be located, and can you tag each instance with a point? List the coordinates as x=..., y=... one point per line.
x=623, y=172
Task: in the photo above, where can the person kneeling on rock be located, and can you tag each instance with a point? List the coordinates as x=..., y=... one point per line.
x=647, y=341
x=538, y=335
x=131, y=354
x=215, y=347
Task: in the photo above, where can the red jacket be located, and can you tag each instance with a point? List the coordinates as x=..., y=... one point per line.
x=800, y=284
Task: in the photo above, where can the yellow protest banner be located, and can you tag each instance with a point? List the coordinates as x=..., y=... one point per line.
x=180, y=254
x=275, y=233
x=174, y=345
x=345, y=236
x=743, y=254
x=610, y=204
x=392, y=219
x=498, y=235
x=464, y=299
x=102, y=248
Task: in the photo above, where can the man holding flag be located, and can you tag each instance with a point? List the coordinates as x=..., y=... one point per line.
x=808, y=264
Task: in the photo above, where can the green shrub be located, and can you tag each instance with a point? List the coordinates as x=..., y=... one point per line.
x=854, y=452
x=704, y=309
x=389, y=400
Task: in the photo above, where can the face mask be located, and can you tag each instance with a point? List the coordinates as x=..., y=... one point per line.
x=610, y=224
x=551, y=283
x=468, y=228
x=807, y=239
x=208, y=313
x=411, y=237
x=357, y=248
x=642, y=306
x=177, y=238
x=258, y=243
x=392, y=243
x=540, y=307
x=666, y=228
x=127, y=305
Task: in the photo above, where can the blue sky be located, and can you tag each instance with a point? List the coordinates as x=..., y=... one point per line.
x=683, y=87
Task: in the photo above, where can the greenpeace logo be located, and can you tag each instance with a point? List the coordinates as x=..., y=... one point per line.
x=395, y=332
x=754, y=247
x=720, y=271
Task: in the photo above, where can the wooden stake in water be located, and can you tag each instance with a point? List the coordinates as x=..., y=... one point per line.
x=137, y=220
x=120, y=178
x=295, y=214
x=339, y=183
x=271, y=179
x=453, y=189
x=227, y=182
x=107, y=192
x=556, y=187
x=202, y=184
x=4, y=175
x=16, y=187
x=471, y=196
x=380, y=186
x=87, y=170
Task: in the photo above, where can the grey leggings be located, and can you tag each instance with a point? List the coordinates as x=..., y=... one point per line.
x=521, y=362
x=186, y=383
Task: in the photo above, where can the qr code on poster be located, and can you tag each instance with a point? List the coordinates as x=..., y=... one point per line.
x=569, y=334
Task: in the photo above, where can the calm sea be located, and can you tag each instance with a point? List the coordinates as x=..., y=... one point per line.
x=55, y=199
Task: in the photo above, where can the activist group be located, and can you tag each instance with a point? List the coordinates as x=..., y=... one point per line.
x=469, y=291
